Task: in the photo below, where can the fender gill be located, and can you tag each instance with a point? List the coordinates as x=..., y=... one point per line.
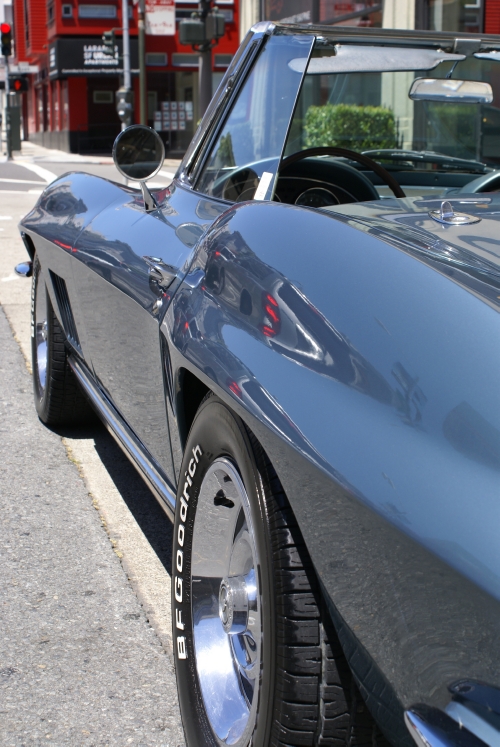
x=181, y=533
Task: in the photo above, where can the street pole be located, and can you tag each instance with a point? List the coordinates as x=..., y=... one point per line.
x=205, y=80
x=8, y=132
x=204, y=65
x=142, y=63
x=126, y=51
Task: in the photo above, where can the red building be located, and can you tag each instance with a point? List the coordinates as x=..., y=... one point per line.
x=70, y=104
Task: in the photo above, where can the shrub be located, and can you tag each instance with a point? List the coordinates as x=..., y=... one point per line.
x=349, y=126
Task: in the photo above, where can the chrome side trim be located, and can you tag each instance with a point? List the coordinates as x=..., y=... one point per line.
x=126, y=439
x=431, y=727
x=463, y=714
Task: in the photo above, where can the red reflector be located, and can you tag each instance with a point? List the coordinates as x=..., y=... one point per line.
x=271, y=299
x=272, y=314
x=235, y=388
x=268, y=331
x=64, y=246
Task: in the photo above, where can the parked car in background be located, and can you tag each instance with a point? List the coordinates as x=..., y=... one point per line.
x=296, y=343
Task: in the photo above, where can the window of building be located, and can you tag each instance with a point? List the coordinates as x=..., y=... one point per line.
x=180, y=59
x=67, y=11
x=103, y=97
x=97, y=11
x=455, y=15
x=156, y=59
x=223, y=60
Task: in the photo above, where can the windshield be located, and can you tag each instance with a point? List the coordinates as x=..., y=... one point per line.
x=436, y=144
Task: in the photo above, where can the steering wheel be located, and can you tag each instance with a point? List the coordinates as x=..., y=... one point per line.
x=353, y=156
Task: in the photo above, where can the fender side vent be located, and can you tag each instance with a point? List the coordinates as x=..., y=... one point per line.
x=67, y=318
x=167, y=370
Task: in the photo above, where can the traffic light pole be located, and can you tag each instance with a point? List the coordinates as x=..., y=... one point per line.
x=202, y=31
x=8, y=132
x=204, y=65
x=142, y=63
x=126, y=53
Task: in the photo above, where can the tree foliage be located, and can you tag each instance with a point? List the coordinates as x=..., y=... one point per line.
x=350, y=126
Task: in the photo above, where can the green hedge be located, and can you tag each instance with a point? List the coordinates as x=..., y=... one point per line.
x=349, y=126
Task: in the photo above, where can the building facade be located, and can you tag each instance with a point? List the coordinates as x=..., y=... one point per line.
x=70, y=103
x=470, y=16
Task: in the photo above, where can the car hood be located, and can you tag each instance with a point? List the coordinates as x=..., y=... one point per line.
x=472, y=249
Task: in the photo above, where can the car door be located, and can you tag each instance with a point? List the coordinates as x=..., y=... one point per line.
x=120, y=305
x=121, y=299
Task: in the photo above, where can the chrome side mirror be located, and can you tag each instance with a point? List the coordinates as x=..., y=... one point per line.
x=138, y=153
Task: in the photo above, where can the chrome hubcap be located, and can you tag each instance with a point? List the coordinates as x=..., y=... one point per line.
x=41, y=325
x=226, y=605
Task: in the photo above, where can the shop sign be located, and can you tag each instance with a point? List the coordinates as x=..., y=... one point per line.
x=160, y=17
x=24, y=67
x=68, y=57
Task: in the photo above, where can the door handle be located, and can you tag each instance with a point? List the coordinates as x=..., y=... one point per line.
x=160, y=274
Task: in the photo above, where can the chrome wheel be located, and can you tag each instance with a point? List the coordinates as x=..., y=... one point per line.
x=40, y=330
x=226, y=605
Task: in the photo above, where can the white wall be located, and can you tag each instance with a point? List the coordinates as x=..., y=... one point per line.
x=249, y=14
x=399, y=14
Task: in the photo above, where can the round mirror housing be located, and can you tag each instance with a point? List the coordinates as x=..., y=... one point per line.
x=138, y=153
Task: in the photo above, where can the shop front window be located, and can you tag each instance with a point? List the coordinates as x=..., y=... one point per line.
x=456, y=15
x=339, y=12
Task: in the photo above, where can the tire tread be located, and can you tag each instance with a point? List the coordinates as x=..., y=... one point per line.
x=319, y=704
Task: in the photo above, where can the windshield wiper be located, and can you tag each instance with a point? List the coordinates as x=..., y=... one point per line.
x=428, y=156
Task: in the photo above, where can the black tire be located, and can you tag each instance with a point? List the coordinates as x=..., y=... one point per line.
x=307, y=694
x=59, y=399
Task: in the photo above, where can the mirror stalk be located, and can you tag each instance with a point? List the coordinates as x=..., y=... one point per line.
x=149, y=200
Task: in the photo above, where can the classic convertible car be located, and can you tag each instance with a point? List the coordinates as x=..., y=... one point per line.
x=297, y=345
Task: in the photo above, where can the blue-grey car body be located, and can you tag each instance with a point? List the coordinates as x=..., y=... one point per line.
x=374, y=389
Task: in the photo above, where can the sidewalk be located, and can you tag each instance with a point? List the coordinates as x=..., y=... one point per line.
x=80, y=665
x=33, y=153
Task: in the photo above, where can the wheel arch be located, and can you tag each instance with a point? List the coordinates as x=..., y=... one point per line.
x=191, y=390
x=29, y=244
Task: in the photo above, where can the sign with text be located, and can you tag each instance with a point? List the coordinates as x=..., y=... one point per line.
x=86, y=57
x=160, y=17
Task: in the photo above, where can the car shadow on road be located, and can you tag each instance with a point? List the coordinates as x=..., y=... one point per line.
x=141, y=502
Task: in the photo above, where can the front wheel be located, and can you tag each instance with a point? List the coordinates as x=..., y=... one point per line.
x=58, y=397
x=257, y=661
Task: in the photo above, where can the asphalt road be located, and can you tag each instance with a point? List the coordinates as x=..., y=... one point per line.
x=85, y=645
x=32, y=170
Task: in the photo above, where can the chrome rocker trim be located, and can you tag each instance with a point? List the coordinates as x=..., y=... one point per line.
x=126, y=439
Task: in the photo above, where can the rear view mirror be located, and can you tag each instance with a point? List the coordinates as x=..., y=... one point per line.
x=446, y=89
x=138, y=153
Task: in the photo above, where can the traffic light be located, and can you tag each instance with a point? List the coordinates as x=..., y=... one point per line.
x=192, y=31
x=6, y=39
x=18, y=84
x=202, y=30
x=109, y=41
